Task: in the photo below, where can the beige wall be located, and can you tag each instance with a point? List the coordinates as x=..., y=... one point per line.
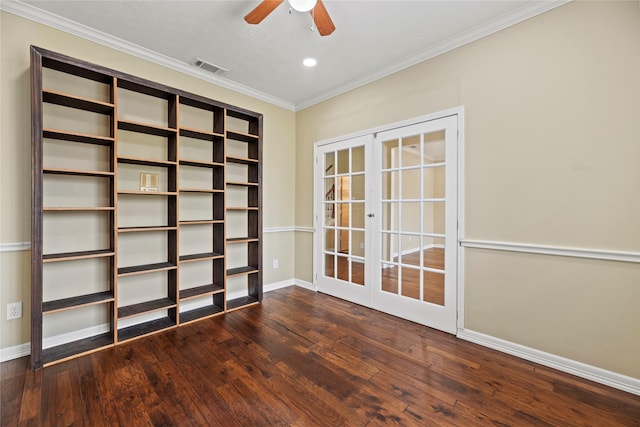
x=17, y=34
x=552, y=143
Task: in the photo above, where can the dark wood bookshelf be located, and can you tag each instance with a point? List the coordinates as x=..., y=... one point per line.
x=199, y=291
x=201, y=164
x=145, y=328
x=200, y=313
x=238, y=271
x=148, y=193
x=146, y=128
x=77, y=137
x=242, y=208
x=145, y=307
x=241, y=302
x=243, y=184
x=242, y=160
x=66, y=256
x=77, y=208
x=202, y=221
x=241, y=239
x=77, y=301
x=66, y=100
x=201, y=256
x=142, y=229
x=205, y=125
x=200, y=190
x=200, y=134
x=76, y=348
x=145, y=162
x=241, y=136
x=146, y=268
x=57, y=171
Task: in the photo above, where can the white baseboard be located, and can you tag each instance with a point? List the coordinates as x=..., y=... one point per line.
x=15, y=352
x=278, y=285
x=579, y=369
x=305, y=284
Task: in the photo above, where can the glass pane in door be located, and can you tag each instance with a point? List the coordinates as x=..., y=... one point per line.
x=413, y=216
x=344, y=222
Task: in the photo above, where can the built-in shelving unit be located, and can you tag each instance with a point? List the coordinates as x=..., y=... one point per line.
x=147, y=207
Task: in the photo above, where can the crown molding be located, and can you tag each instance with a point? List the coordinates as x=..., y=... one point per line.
x=523, y=13
x=33, y=13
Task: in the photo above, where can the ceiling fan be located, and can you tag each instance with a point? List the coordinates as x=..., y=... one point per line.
x=321, y=17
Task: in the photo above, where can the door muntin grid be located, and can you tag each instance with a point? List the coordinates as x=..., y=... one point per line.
x=344, y=212
x=412, y=209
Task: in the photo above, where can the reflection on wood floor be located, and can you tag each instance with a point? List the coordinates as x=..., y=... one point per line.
x=433, y=283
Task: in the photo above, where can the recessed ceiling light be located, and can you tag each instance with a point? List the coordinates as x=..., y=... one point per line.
x=310, y=62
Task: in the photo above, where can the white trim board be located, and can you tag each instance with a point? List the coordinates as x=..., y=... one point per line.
x=604, y=255
x=15, y=246
x=579, y=369
x=267, y=230
x=306, y=229
x=14, y=352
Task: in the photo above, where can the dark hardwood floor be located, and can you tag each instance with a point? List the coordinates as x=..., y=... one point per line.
x=302, y=358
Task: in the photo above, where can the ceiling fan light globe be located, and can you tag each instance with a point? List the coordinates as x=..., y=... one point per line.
x=302, y=5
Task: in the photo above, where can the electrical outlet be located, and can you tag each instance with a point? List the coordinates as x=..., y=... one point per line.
x=275, y=263
x=14, y=310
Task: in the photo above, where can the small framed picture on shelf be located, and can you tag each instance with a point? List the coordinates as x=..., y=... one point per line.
x=148, y=182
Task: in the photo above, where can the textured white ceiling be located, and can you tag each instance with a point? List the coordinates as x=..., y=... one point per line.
x=372, y=38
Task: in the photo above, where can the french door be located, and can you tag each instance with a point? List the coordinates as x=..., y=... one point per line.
x=386, y=221
x=342, y=223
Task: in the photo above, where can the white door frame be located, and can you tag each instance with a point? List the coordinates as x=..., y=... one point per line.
x=459, y=113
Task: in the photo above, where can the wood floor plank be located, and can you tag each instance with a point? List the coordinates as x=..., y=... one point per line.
x=172, y=384
x=88, y=389
x=12, y=382
x=305, y=359
x=31, y=399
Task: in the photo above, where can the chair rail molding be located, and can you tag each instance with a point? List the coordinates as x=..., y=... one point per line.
x=288, y=229
x=15, y=246
x=597, y=254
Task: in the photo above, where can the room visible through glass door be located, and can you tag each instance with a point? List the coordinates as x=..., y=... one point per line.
x=416, y=168
x=386, y=221
x=342, y=197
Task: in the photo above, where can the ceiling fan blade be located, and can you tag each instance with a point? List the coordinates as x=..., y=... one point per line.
x=323, y=21
x=262, y=11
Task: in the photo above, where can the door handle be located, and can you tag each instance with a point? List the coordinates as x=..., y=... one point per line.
x=370, y=215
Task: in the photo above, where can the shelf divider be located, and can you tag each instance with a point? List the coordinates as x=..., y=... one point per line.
x=77, y=301
x=146, y=268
